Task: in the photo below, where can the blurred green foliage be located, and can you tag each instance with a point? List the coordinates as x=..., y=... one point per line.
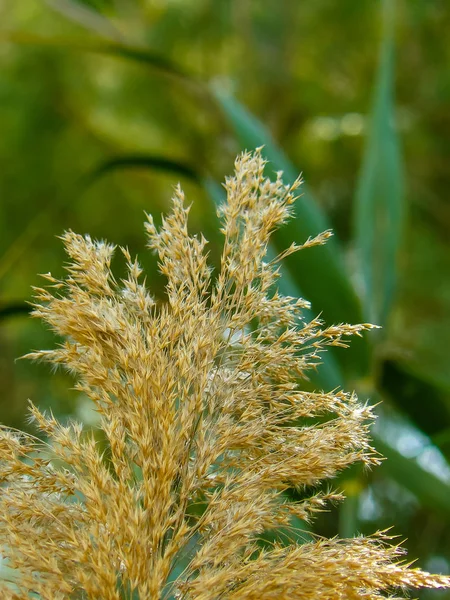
x=106, y=104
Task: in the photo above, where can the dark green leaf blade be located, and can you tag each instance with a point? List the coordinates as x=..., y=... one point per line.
x=142, y=161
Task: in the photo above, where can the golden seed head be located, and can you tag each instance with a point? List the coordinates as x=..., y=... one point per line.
x=202, y=408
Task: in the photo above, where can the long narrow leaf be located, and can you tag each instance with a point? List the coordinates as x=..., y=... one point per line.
x=379, y=197
x=430, y=490
x=86, y=16
x=143, y=161
x=148, y=57
x=14, y=309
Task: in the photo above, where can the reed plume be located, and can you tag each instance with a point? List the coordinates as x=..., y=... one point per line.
x=206, y=427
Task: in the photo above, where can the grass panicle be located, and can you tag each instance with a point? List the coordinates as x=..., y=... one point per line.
x=206, y=426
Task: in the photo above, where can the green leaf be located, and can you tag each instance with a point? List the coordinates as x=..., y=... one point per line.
x=14, y=309
x=319, y=272
x=85, y=16
x=352, y=483
x=430, y=490
x=406, y=386
x=145, y=56
x=379, y=212
x=142, y=161
x=148, y=57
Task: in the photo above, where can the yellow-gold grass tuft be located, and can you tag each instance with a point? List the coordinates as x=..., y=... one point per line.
x=207, y=427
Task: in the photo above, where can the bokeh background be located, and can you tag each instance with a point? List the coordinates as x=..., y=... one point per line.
x=106, y=104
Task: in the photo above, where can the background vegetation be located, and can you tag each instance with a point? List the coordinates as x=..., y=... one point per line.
x=106, y=104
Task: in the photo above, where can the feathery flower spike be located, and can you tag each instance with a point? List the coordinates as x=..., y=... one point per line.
x=202, y=409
